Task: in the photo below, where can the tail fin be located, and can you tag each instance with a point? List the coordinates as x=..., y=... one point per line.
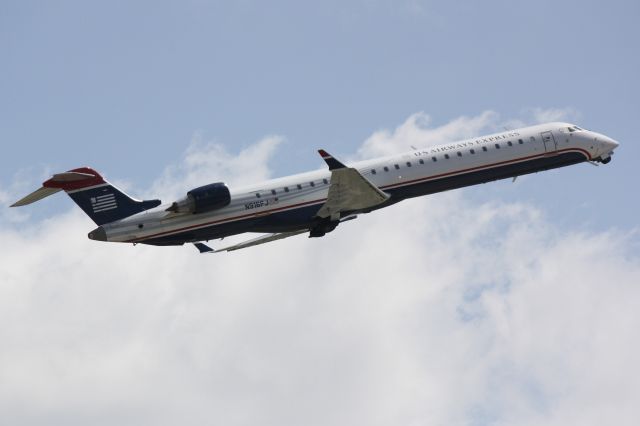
x=100, y=200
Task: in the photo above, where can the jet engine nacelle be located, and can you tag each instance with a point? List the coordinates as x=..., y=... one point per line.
x=203, y=199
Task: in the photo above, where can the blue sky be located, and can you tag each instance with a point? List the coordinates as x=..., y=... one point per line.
x=123, y=86
x=458, y=327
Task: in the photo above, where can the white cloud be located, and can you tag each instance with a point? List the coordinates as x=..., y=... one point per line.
x=417, y=131
x=545, y=115
x=433, y=311
x=210, y=161
x=537, y=115
x=22, y=184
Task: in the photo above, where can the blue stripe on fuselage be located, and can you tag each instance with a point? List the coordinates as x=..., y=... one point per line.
x=303, y=217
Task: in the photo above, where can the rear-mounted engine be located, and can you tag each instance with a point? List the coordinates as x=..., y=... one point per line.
x=203, y=199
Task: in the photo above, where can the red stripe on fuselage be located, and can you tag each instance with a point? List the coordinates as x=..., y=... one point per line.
x=472, y=169
x=231, y=219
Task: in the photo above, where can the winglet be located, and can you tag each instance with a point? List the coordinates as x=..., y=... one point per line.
x=203, y=248
x=331, y=162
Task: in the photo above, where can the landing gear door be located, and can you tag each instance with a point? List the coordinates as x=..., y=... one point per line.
x=549, y=141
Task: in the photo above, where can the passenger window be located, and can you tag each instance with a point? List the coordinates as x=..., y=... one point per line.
x=421, y=161
x=373, y=171
x=408, y=163
x=473, y=151
x=509, y=143
x=299, y=186
x=257, y=195
x=312, y=184
x=326, y=182
x=396, y=166
x=434, y=159
x=446, y=156
x=286, y=189
x=520, y=141
x=459, y=154
x=532, y=139
x=484, y=148
x=386, y=169
x=497, y=146
x=273, y=191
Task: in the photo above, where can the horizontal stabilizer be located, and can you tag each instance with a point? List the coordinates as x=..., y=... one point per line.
x=36, y=195
x=58, y=182
x=71, y=177
x=100, y=200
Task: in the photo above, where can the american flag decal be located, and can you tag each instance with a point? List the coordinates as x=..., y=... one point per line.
x=103, y=203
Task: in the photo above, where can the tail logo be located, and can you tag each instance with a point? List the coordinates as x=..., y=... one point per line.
x=102, y=203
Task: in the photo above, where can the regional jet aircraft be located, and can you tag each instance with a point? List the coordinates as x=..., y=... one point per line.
x=317, y=202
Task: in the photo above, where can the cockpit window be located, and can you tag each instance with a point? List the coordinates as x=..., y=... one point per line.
x=574, y=129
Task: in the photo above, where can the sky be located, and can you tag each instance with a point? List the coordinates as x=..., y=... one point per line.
x=505, y=303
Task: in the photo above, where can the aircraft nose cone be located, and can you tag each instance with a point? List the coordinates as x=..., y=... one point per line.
x=98, y=234
x=605, y=144
x=608, y=145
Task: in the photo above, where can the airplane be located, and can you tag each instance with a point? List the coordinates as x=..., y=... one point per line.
x=317, y=202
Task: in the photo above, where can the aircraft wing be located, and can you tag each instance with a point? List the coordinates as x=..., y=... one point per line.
x=349, y=190
x=261, y=240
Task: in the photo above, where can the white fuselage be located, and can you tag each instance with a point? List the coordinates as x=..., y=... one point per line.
x=290, y=202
